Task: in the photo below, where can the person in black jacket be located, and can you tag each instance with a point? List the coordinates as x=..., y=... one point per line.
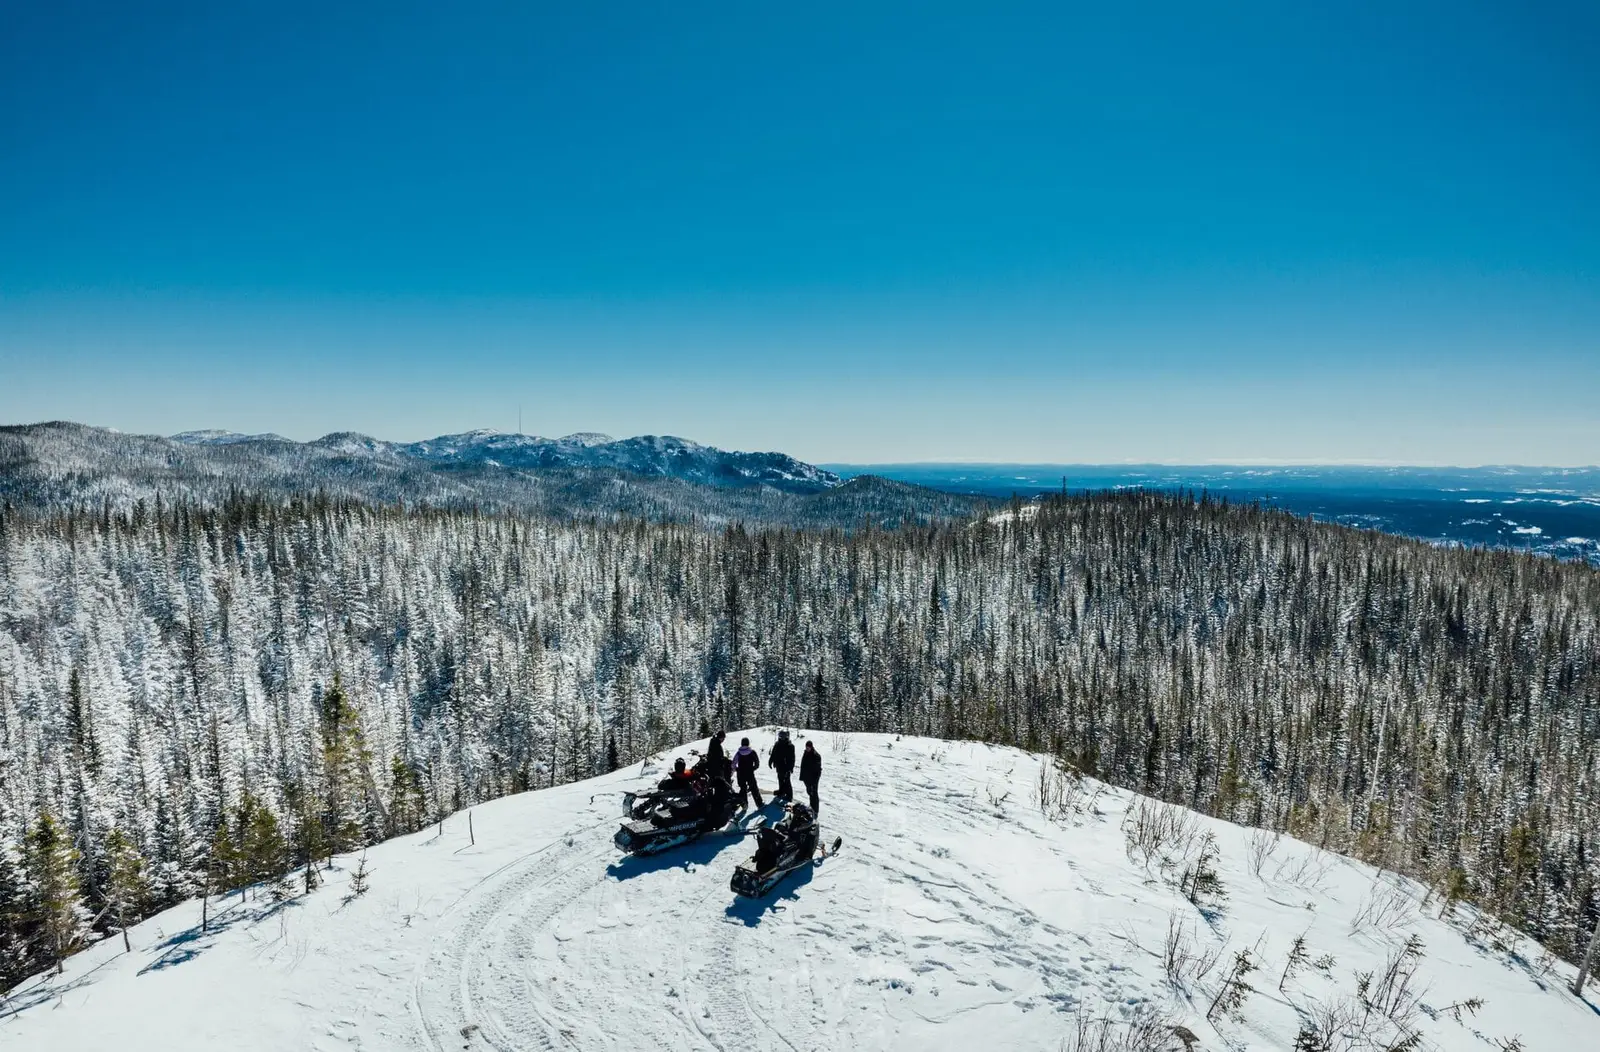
x=716, y=761
x=746, y=762
x=781, y=759
x=811, y=773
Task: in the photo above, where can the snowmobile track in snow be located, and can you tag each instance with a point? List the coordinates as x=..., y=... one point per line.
x=733, y=1023
x=956, y=920
x=443, y=1002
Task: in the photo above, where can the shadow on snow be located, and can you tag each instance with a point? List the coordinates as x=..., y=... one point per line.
x=192, y=942
x=170, y=952
x=751, y=912
x=697, y=852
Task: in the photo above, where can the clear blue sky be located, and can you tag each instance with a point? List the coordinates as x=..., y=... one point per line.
x=1175, y=231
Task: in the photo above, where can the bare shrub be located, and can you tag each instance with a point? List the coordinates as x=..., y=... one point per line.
x=1382, y=1014
x=1148, y=1031
x=1385, y=907
x=1167, y=839
x=1155, y=833
x=1326, y=1027
x=1306, y=869
x=1393, y=993
x=1185, y=961
x=1064, y=792
x=1470, y=1006
x=997, y=799
x=1492, y=932
x=1262, y=845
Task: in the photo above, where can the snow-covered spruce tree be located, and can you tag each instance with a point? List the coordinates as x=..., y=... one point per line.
x=262, y=852
x=345, y=771
x=223, y=865
x=18, y=958
x=53, y=912
x=127, y=885
x=407, y=800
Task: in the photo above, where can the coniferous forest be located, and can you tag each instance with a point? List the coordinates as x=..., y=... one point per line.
x=194, y=699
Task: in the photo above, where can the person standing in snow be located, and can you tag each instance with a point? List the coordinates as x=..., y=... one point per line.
x=716, y=761
x=746, y=762
x=781, y=759
x=811, y=773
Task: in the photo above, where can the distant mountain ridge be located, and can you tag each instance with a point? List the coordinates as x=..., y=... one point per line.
x=648, y=476
x=649, y=455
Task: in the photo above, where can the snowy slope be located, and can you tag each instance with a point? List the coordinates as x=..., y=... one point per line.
x=958, y=915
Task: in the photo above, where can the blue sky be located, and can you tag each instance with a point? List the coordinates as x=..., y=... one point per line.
x=855, y=233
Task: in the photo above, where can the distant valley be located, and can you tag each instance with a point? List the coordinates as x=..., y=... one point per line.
x=1554, y=511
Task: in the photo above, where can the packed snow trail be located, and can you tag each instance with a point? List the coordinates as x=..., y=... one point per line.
x=958, y=915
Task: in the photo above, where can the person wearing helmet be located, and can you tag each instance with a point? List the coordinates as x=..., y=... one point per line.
x=746, y=762
x=679, y=768
x=781, y=759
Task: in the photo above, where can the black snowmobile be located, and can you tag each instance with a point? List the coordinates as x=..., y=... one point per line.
x=676, y=812
x=780, y=850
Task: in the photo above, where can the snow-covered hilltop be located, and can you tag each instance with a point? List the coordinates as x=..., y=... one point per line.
x=982, y=899
x=59, y=464
x=650, y=455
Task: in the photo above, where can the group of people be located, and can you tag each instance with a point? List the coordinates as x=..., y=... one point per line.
x=745, y=762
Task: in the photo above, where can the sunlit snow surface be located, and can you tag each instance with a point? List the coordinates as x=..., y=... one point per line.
x=957, y=916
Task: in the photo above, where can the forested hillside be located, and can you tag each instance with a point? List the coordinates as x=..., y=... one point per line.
x=61, y=465
x=194, y=698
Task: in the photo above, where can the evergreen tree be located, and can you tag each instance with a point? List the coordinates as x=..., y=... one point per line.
x=54, y=906
x=127, y=885
x=263, y=854
x=407, y=804
x=344, y=772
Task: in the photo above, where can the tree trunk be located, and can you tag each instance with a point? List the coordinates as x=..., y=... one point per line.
x=1588, y=957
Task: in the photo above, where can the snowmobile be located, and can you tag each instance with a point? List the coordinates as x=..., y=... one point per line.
x=640, y=805
x=675, y=813
x=780, y=850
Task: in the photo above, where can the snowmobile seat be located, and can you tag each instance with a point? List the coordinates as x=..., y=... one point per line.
x=769, y=844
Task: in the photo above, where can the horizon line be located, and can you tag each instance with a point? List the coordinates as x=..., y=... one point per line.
x=830, y=465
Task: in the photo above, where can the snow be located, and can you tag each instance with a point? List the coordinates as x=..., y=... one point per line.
x=1027, y=511
x=958, y=915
